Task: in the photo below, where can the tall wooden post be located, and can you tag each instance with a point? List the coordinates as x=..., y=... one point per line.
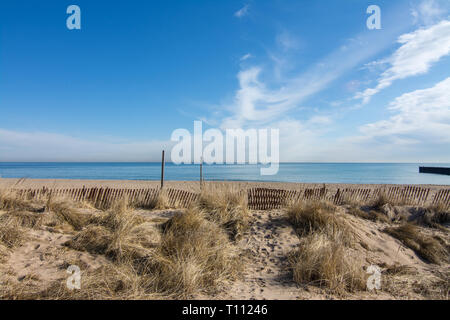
x=162, y=170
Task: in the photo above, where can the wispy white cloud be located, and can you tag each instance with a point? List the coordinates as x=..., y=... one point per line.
x=242, y=12
x=246, y=56
x=429, y=12
x=287, y=41
x=263, y=98
x=418, y=52
x=421, y=115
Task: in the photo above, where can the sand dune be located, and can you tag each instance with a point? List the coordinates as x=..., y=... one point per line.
x=257, y=268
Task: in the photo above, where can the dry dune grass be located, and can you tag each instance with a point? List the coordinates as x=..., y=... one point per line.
x=399, y=270
x=322, y=257
x=435, y=216
x=120, y=234
x=192, y=252
x=226, y=207
x=66, y=211
x=23, y=218
x=380, y=201
x=438, y=289
x=383, y=199
x=372, y=215
x=108, y=282
x=187, y=254
x=10, y=200
x=119, y=216
x=323, y=262
x=441, y=213
x=195, y=254
x=11, y=234
x=428, y=248
x=160, y=202
x=114, y=281
x=94, y=239
x=309, y=217
x=54, y=212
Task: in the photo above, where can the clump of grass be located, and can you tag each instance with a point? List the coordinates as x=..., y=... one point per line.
x=435, y=216
x=94, y=239
x=116, y=282
x=308, y=217
x=24, y=219
x=120, y=235
x=11, y=200
x=380, y=201
x=160, y=202
x=119, y=216
x=322, y=257
x=371, y=215
x=11, y=234
x=441, y=214
x=323, y=262
x=227, y=208
x=66, y=211
x=437, y=289
x=347, y=199
x=108, y=282
x=427, y=248
x=131, y=244
x=124, y=244
x=194, y=254
x=146, y=235
x=399, y=270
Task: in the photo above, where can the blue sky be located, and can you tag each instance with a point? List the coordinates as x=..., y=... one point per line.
x=137, y=70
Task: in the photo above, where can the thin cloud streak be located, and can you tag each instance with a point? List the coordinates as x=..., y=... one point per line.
x=418, y=52
x=242, y=12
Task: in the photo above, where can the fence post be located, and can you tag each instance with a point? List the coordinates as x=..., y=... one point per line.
x=162, y=170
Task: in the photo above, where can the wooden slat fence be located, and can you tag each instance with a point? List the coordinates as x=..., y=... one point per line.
x=262, y=198
x=103, y=197
x=258, y=198
x=443, y=197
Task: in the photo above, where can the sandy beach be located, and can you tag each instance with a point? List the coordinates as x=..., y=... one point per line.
x=193, y=186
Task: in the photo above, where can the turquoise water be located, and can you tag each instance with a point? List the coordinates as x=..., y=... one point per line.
x=393, y=173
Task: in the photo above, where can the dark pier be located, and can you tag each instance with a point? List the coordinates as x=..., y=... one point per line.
x=436, y=170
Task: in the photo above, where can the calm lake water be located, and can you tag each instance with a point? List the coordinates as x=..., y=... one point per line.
x=395, y=173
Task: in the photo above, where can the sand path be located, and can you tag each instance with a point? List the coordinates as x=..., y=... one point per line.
x=265, y=246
